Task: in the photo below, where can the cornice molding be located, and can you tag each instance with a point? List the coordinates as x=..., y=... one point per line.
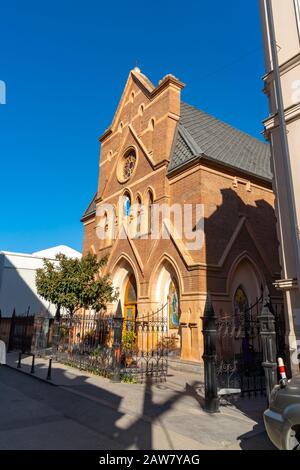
x=283, y=68
x=286, y=284
x=291, y=113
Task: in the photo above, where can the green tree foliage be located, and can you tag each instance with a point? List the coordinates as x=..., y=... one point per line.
x=73, y=284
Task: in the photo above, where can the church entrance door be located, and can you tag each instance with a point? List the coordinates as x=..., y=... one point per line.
x=130, y=304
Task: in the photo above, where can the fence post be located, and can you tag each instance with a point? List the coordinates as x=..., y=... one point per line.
x=56, y=331
x=49, y=369
x=117, y=347
x=12, y=331
x=212, y=401
x=32, y=364
x=268, y=339
x=24, y=345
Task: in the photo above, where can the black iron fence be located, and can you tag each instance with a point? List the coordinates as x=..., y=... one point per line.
x=235, y=356
x=127, y=349
x=239, y=349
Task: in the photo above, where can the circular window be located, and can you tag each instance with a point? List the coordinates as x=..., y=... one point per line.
x=127, y=166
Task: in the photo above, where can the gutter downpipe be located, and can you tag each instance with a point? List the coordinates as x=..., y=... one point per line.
x=283, y=139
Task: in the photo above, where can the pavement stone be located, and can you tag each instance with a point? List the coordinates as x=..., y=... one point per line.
x=124, y=416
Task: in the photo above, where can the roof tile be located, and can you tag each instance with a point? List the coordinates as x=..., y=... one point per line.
x=219, y=141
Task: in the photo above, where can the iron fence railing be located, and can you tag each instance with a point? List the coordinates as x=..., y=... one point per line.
x=135, y=349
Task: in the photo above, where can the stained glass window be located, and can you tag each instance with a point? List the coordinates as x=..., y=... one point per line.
x=173, y=305
x=127, y=205
x=131, y=291
x=128, y=165
x=241, y=303
x=241, y=312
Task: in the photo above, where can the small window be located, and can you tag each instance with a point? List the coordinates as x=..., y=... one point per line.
x=105, y=222
x=138, y=215
x=151, y=124
x=141, y=110
x=150, y=210
x=127, y=205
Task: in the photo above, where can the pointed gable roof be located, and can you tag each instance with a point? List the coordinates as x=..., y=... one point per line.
x=146, y=86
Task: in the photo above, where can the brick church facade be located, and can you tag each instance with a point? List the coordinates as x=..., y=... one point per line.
x=160, y=150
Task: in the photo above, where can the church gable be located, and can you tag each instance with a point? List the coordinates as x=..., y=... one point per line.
x=145, y=120
x=132, y=163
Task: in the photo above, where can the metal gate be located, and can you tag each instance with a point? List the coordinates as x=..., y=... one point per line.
x=17, y=331
x=239, y=351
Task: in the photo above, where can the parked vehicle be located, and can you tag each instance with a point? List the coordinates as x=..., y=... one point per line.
x=282, y=419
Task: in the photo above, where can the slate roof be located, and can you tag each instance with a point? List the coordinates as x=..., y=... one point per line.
x=200, y=133
x=91, y=208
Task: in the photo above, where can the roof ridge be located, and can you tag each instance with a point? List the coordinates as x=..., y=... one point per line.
x=189, y=140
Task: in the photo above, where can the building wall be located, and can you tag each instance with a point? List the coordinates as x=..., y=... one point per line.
x=239, y=221
x=287, y=37
x=17, y=286
x=17, y=283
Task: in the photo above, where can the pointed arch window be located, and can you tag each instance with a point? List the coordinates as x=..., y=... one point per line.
x=105, y=222
x=241, y=303
x=241, y=313
x=130, y=305
x=150, y=211
x=138, y=216
x=127, y=204
x=131, y=291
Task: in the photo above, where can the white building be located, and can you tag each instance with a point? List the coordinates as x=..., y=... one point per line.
x=281, y=35
x=17, y=281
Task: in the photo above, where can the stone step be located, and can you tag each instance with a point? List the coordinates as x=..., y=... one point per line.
x=176, y=363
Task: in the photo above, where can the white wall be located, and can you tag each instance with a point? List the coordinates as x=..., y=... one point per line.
x=17, y=282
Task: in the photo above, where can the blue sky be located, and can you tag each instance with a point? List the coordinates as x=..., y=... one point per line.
x=65, y=64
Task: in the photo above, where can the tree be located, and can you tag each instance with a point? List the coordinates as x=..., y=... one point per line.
x=75, y=284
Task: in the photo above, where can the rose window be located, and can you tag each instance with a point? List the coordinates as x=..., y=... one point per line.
x=128, y=165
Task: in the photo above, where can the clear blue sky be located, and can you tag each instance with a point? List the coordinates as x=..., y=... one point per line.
x=65, y=64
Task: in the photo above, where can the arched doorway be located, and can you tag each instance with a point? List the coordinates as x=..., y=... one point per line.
x=238, y=338
x=247, y=342
x=130, y=302
x=166, y=294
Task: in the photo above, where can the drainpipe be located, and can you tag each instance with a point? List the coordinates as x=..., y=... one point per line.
x=297, y=11
x=283, y=138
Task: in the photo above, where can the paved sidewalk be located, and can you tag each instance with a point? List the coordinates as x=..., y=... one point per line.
x=170, y=412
